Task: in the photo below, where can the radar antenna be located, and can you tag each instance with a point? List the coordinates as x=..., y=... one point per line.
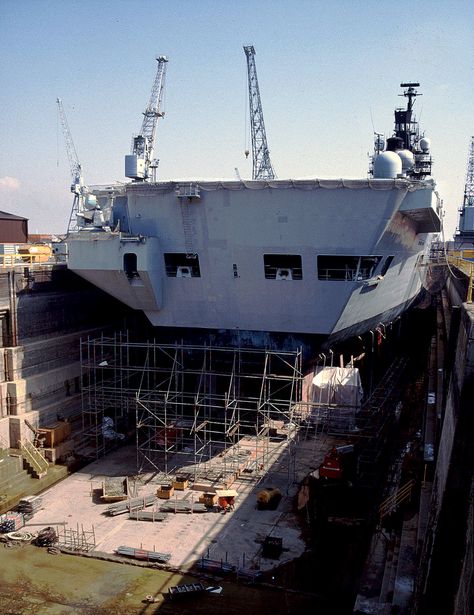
x=406, y=126
x=140, y=164
x=410, y=93
x=262, y=167
x=78, y=188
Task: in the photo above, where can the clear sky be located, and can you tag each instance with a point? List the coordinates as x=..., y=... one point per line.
x=329, y=74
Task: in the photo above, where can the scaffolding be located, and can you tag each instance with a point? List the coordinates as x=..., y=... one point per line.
x=79, y=539
x=220, y=413
x=189, y=405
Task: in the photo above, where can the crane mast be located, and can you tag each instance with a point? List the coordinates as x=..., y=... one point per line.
x=78, y=188
x=466, y=212
x=140, y=164
x=262, y=166
x=468, y=200
x=76, y=170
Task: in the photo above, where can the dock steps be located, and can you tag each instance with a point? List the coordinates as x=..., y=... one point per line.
x=391, y=503
x=33, y=458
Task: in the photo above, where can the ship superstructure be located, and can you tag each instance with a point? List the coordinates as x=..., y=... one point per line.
x=262, y=259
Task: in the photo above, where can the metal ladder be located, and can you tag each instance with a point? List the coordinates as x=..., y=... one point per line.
x=188, y=226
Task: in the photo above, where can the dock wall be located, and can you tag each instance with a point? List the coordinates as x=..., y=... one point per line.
x=445, y=582
x=44, y=312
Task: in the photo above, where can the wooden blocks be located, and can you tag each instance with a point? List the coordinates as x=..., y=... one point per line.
x=181, y=482
x=55, y=434
x=208, y=498
x=165, y=492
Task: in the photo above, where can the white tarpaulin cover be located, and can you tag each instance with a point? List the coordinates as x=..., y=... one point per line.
x=340, y=386
x=332, y=397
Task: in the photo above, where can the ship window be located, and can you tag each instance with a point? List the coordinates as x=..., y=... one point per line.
x=282, y=266
x=347, y=268
x=182, y=265
x=130, y=265
x=386, y=265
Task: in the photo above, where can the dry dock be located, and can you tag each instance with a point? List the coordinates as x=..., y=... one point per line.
x=407, y=513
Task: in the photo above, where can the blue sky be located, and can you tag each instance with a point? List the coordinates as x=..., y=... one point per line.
x=329, y=73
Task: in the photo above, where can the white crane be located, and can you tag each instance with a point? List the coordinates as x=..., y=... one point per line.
x=84, y=203
x=140, y=164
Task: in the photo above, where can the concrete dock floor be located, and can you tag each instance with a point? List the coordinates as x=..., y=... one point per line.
x=235, y=537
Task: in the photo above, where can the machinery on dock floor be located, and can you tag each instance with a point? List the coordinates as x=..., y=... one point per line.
x=337, y=463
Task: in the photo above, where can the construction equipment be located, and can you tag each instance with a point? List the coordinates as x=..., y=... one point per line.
x=272, y=547
x=115, y=488
x=38, y=436
x=84, y=207
x=336, y=463
x=261, y=166
x=268, y=498
x=140, y=164
x=182, y=591
x=142, y=554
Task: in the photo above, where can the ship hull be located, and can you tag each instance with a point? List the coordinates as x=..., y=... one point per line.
x=330, y=259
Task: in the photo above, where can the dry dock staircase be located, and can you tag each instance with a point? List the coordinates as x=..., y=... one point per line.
x=33, y=458
x=391, y=504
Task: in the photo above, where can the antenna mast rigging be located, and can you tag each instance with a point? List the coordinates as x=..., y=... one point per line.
x=140, y=164
x=262, y=166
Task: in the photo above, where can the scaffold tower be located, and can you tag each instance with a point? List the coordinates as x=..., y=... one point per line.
x=188, y=404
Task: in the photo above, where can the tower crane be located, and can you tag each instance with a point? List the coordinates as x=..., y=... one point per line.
x=262, y=166
x=84, y=203
x=466, y=212
x=469, y=186
x=140, y=164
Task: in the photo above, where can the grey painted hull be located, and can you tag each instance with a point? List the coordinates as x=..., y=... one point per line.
x=232, y=225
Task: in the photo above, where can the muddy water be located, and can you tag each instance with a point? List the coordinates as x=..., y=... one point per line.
x=34, y=582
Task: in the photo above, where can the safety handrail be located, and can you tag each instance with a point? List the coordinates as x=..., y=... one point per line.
x=34, y=457
x=394, y=500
